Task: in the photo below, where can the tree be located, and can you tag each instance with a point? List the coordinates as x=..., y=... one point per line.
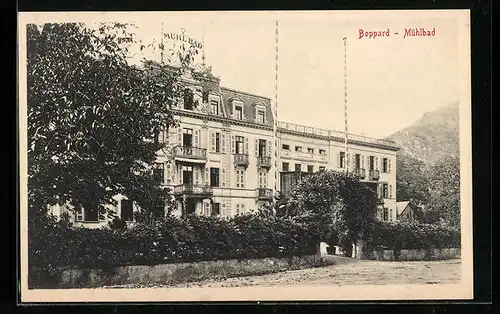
x=333, y=204
x=444, y=179
x=92, y=117
x=412, y=182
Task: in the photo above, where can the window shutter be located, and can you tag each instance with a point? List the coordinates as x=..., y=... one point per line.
x=389, y=165
x=196, y=138
x=363, y=162
x=207, y=176
x=246, y=145
x=180, y=175
x=166, y=135
x=233, y=145
x=242, y=208
x=348, y=161
x=174, y=170
x=179, y=135
x=256, y=152
x=269, y=148
x=390, y=191
x=212, y=143
x=197, y=176
x=223, y=177
x=379, y=190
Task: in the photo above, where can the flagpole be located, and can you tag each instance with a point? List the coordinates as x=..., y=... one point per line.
x=161, y=44
x=275, y=124
x=345, y=107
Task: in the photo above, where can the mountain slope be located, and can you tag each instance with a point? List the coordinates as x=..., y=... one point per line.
x=433, y=137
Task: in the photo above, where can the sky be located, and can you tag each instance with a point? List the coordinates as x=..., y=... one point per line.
x=391, y=81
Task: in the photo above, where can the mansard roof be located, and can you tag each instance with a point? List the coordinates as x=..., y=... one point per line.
x=249, y=101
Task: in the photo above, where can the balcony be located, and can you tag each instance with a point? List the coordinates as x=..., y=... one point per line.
x=190, y=154
x=193, y=191
x=374, y=175
x=241, y=160
x=264, y=194
x=360, y=173
x=264, y=162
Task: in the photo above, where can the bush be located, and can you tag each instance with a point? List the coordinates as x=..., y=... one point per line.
x=413, y=235
x=54, y=244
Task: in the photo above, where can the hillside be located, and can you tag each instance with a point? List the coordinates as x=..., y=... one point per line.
x=432, y=137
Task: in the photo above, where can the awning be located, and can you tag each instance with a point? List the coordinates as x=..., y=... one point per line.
x=194, y=161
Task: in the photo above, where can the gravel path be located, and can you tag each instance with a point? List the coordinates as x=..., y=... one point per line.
x=355, y=272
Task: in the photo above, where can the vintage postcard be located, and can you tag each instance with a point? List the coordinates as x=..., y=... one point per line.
x=245, y=156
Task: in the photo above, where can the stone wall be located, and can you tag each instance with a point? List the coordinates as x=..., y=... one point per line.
x=414, y=255
x=173, y=273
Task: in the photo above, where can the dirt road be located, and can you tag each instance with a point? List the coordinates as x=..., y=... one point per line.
x=354, y=273
x=348, y=272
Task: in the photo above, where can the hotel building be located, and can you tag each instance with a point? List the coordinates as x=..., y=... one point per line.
x=220, y=159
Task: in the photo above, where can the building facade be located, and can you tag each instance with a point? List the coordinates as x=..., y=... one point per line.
x=220, y=159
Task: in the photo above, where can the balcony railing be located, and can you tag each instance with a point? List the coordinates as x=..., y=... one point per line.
x=241, y=160
x=264, y=161
x=332, y=133
x=190, y=152
x=374, y=175
x=193, y=190
x=360, y=172
x=264, y=194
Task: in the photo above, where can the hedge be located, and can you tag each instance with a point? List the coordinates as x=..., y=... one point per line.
x=55, y=244
x=413, y=235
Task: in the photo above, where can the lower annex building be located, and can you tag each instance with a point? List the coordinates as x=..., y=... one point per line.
x=220, y=160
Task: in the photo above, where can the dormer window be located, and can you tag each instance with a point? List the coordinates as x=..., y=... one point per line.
x=188, y=99
x=260, y=116
x=214, y=107
x=238, y=112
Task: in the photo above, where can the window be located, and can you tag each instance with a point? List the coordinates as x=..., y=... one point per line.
x=262, y=148
x=322, y=152
x=386, y=212
x=158, y=173
x=240, y=144
x=310, y=150
x=91, y=215
x=372, y=163
x=298, y=167
x=204, y=96
x=240, y=178
x=390, y=214
x=286, y=147
x=214, y=177
x=206, y=209
x=127, y=211
x=237, y=209
x=342, y=160
x=298, y=148
x=321, y=168
x=215, y=209
x=285, y=166
x=262, y=179
x=310, y=168
x=216, y=142
x=238, y=112
x=188, y=99
x=214, y=107
x=357, y=160
x=385, y=165
x=260, y=116
x=79, y=214
x=385, y=190
x=187, y=137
